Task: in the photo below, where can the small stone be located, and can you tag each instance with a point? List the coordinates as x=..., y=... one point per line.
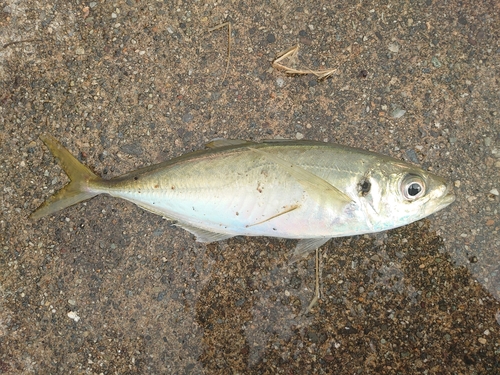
x=471, y=198
x=80, y=51
x=457, y=183
x=482, y=340
x=487, y=141
x=398, y=113
x=271, y=38
x=412, y=156
x=93, y=4
x=132, y=149
x=73, y=315
x=72, y=302
x=436, y=62
x=299, y=135
x=393, y=47
x=494, y=192
x=188, y=117
x=280, y=82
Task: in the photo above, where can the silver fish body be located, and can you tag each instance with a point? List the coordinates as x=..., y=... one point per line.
x=305, y=190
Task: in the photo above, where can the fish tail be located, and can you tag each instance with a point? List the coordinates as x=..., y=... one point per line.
x=78, y=190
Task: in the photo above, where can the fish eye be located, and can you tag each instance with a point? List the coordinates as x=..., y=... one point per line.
x=412, y=187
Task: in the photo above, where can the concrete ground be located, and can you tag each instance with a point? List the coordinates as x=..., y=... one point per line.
x=106, y=288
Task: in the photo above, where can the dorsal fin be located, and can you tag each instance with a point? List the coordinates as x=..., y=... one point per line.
x=216, y=143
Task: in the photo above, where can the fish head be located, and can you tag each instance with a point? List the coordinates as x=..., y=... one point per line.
x=395, y=193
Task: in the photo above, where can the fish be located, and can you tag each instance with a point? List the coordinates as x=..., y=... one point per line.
x=305, y=190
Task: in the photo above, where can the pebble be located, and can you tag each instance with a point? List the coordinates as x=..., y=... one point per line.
x=436, y=62
x=188, y=117
x=393, y=47
x=398, y=113
x=482, y=340
x=412, y=155
x=280, y=82
x=72, y=302
x=80, y=51
x=132, y=149
x=487, y=141
x=299, y=135
x=73, y=315
x=93, y=4
x=494, y=192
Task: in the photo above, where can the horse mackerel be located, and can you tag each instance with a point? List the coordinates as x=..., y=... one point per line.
x=306, y=190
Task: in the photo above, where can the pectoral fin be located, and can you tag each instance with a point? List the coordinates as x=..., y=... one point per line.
x=319, y=189
x=285, y=211
x=305, y=246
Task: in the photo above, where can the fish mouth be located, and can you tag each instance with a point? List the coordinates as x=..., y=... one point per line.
x=442, y=196
x=447, y=198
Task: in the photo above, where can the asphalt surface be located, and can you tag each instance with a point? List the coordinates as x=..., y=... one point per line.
x=106, y=288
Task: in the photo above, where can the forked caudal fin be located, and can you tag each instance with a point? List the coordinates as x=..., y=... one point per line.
x=76, y=191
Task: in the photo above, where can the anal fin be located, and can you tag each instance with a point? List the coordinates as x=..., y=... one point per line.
x=305, y=246
x=203, y=235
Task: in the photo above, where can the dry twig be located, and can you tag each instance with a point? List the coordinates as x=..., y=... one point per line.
x=292, y=54
x=21, y=41
x=228, y=24
x=317, y=291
